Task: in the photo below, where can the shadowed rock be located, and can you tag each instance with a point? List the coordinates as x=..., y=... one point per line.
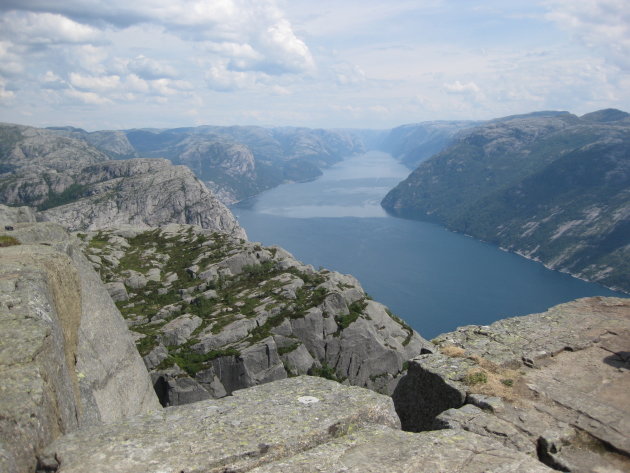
x=558, y=379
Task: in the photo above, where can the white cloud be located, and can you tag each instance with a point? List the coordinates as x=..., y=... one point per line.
x=10, y=62
x=600, y=24
x=347, y=74
x=92, y=83
x=284, y=51
x=45, y=28
x=150, y=68
x=136, y=84
x=90, y=98
x=5, y=94
x=289, y=62
x=220, y=78
x=266, y=38
x=170, y=87
x=458, y=88
x=50, y=80
x=88, y=57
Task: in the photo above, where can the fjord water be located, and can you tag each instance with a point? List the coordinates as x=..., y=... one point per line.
x=434, y=279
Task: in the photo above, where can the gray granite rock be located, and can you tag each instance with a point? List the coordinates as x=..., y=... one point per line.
x=262, y=362
x=473, y=419
x=231, y=333
x=38, y=342
x=155, y=357
x=117, y=291
x=174, y=388
x=83, y=367
x=378, y=449
x=565, y=400
x=135, y=280
x=211, y=383
x=301, y=424
x=252, y=427
x=299, y=361
x=149, y=192
x=12, y=215
x=367, y=347
x=178, y=330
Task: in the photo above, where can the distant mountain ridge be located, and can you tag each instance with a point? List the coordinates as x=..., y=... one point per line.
x=413, y=143
x=551, y=186
x=75, y=184
x=236, y=162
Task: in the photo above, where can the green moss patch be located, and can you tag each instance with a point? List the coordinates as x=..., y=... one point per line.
x=6, y=240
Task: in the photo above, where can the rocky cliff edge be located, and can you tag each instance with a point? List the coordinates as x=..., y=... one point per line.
x=66, y=357
x=553, y=385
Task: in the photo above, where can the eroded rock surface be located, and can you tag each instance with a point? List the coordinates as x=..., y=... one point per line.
x=148, y=192
x=294, y=425
x=77, y=185
x=66, y=357
x=553, y=385
x=233, y=314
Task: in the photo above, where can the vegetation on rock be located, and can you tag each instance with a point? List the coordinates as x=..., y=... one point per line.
x=552, y=187
x=210, y=305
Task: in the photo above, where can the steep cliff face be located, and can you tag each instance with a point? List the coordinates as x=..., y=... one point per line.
x=414, y=143
x=239, y=162
x=552, y=187
x=63, y=342
x=148, y=192
x=232, y=314
x=78, y=186
x=228, y=168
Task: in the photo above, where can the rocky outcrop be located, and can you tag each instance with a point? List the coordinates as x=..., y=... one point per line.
x=63, y=343
x=76, y=185
x=12, y=215
x=27, y=147
x=232, y=314
x=148, y=192
x=295, y=425
x=552, y=385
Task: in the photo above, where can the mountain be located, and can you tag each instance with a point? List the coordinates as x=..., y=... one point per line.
x=239, y=161
x=75, y=184
x=413, y=143
x=113, y=143
x=236, y=162
x=551, y=186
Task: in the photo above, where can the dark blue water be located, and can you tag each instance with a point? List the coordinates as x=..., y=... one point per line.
x=434, y=279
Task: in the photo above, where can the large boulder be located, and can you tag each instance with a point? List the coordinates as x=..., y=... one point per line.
x=64, y=342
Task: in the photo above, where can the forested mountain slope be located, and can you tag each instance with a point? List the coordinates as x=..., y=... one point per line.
x=551, y=186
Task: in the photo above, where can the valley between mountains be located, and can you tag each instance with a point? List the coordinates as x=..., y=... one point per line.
x=140, y=324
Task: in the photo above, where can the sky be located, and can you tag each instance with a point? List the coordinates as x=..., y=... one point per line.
x=118, y=64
